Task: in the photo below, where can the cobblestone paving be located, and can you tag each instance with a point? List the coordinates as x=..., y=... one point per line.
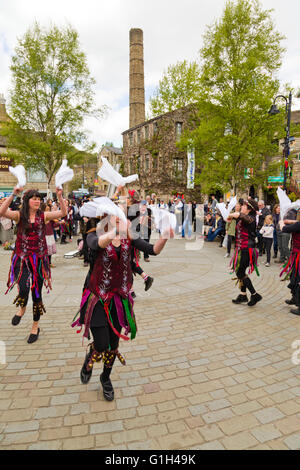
x=202, y=373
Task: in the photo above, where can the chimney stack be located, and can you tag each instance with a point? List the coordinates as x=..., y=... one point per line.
x=3, y=113
x=136, y=78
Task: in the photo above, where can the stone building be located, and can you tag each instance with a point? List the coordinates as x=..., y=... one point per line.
x=150, y=149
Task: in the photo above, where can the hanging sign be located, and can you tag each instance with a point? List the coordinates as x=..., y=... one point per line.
x=191, y=168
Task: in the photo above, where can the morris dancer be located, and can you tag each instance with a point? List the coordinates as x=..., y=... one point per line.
x=245, y=255
x=292, y=266
x=107, y=305
x=30, y=258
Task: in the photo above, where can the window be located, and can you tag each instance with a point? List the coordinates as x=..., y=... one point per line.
x=130, y=138
x=146, y=132
x=139, y=136
x=178, y=167
x=34, y=176
x=155, y=127
x=138, y=164
x=154, y=162
x=147, y=163
x=178, y=130
x=131, y=166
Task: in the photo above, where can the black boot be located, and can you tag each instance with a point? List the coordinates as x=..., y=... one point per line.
x=240, y=299
x=292, y=301
x=20, y=302
x=148, y=282
x=108, y=390
x=87, y=368
x=109, y=357
x=295, y=311
x=254, y=299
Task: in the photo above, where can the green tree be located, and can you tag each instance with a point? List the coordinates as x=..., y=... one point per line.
x=179, y=87
x=52, y=93
x=239, y=59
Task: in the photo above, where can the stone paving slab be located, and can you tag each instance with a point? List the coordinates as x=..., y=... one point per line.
x=202, y=373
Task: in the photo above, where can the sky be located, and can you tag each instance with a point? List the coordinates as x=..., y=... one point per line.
x=173, y=32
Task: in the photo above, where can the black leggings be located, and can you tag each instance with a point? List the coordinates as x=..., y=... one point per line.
x=104, y=337
x=241, y=273
x=24, y=286
x=268, y=242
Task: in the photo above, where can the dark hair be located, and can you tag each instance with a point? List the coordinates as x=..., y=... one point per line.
x=24, y=212
x=252, y=205
x=92, y=224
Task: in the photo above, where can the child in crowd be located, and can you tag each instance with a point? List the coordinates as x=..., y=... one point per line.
x=267, y=231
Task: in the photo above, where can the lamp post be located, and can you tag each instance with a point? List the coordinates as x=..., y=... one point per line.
x=286, y=145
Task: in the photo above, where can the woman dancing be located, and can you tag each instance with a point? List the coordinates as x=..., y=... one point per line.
x=30, y=258
x=245, y=255
x=107, y=305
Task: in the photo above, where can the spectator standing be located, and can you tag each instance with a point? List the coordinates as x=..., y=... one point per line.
x=230, y=231
x=283, y=238
x=260, y=220
x=214, y=204
x=267, y=232
x=187, y=223
x=276, y=218
x=145, y=225
x=178, y=214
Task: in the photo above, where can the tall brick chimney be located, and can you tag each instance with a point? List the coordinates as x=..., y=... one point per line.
x=136, y=78
x=3, y=113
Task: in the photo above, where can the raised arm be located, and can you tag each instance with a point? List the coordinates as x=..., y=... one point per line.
x=247, y=218
x=4, y=208
x=291, y=228
x=57, y=214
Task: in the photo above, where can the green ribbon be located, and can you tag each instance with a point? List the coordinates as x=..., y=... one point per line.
x=130, y=319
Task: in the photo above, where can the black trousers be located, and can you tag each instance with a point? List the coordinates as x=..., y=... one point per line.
x=241, y=272
x=24, y=285
x=268, y=242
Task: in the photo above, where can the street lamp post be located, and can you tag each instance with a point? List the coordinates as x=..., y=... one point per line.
x=286, y=145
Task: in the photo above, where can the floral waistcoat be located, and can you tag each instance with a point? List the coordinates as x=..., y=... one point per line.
x=110, y=274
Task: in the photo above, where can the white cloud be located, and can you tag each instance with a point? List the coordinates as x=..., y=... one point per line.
x=172, y=31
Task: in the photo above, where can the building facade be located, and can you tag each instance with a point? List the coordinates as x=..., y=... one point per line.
x=151, y=150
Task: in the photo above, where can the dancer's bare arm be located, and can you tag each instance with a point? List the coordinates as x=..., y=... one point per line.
x=5, y=211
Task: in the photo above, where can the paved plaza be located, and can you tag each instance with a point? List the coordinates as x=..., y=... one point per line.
x=202, y=373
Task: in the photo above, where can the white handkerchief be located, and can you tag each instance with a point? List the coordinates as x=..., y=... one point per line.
x=222, y=207
x=285, y=203
x=108, y=173
x=163, y=219
x=88, y=209
x=100, y=206
x=63, y=175
x=106, y=206
x=20, y=173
